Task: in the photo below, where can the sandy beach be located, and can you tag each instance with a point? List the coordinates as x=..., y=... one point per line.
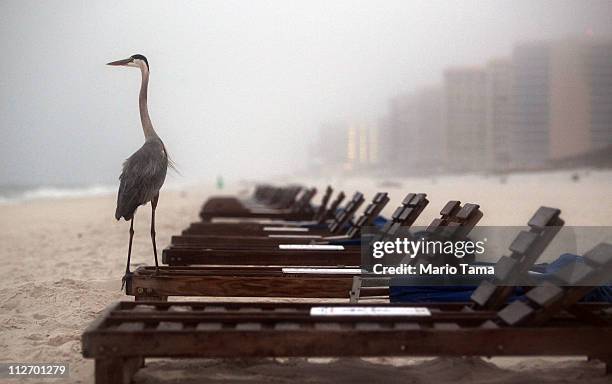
x=62, y=262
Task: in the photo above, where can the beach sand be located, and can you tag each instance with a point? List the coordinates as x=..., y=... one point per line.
x=62, y=261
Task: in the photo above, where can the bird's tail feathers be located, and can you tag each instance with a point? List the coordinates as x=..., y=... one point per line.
x=172, y=165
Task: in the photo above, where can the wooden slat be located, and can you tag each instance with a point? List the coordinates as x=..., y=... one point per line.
x=239, y=283
x=321, y=326
x=505, y=268
x=545, y=294
x=600, y=255
x=515, y=312
x=209, y=326
x=543, y=217
x=248, y=326
x=446, y=326
x=170, y=326
x=287, y=326
x=503, y=341
x=523, y=241
x=369, y=326
x=450, y=208
x=130, y=326
x=573, y=274
x=408, y=199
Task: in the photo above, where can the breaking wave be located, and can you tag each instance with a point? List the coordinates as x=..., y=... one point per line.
x=11, y=194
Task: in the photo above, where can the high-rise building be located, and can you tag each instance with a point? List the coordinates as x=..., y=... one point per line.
x=429, y=134
x=529, y=131
x=346, y=146
x=562, y=100
x=465, y=117
x=599, y=62
x=415, y=139
x=498, y=113
x=402, y=122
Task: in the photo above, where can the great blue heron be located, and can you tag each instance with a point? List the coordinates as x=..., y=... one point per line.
x=145, y=171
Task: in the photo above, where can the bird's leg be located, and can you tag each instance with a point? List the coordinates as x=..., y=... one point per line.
x=153, y=206
x=127, y=267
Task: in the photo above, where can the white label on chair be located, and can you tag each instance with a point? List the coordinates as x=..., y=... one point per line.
x=294, y=236
x=312, y=247
x=237, y=220
x=285, y=229
x=369, y=311
x=330, y=271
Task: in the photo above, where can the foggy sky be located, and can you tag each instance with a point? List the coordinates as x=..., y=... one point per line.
x=238, y=88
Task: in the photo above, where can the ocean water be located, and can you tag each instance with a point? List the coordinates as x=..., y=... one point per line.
x=15, y=194
x=11, y=194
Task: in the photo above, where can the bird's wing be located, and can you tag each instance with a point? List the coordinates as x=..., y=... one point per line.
x=143, y=175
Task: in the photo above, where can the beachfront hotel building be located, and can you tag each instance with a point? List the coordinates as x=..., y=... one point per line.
x=344, y=146
x=465, y=105
x=549, y=101
x=399, y=148
x=429, y=135
x=330, y=151
x=599, y=62
x=529, y=131
x=498, y=113
x=562, y=100
x=414, y=139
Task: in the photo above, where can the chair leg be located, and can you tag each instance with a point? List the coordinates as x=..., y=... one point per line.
x=116, y=370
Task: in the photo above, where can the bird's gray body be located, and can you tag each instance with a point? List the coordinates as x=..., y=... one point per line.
x=142, y=177
x=145, y=171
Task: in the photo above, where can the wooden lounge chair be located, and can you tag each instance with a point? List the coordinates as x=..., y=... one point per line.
x=126, y=333
x=525, y=250
x=257, y=228
x=204, y=250
x=288, y=207
x=263, y=205
x=267, y=195
x=196, y=250
x=251, y=281
x=263, y=196
x=322, y=214
x=340, y=219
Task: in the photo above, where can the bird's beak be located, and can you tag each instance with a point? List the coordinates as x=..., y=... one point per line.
x=123, y=62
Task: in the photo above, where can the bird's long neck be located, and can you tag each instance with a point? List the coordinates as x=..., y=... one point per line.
x=147, y=126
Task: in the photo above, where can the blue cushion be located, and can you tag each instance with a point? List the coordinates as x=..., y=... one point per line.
x=450, y=293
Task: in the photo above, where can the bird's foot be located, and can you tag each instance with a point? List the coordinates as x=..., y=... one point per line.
x=156, y=270
x=128, y=275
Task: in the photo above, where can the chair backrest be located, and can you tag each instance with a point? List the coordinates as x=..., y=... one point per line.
x=567, y=286
x=455, y=221
x=324, y=201
x=344, y=215
x=405, y=215
x=265, y=193
x=454, y=224
x=525, y=248
x=333, y=207
x=379, y=202
x=302, y=204
x=259, y=192
x=287, y=197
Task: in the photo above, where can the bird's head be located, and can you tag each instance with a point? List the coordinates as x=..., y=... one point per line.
x=138, y=61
